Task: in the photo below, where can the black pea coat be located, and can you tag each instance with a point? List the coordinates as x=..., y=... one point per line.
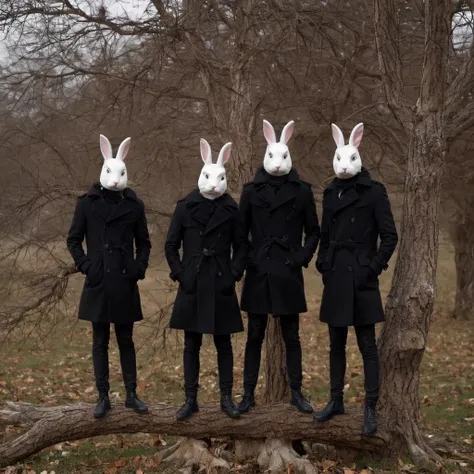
x=348, y=255
x=276, y=222
x=110, y=292
x=208, y=231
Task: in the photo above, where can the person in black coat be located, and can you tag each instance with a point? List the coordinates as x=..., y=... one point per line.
x=276, y=208
x=111, y=218
x=356, y=212
x=206, y=225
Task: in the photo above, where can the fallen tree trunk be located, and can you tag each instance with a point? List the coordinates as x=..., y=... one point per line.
x=72, y=422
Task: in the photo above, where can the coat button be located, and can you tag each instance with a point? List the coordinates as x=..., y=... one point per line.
x=201, y=232
x=219, y=235
x=334, y=220
x=124, y=271
x=349, y=240
x=219, y=274
x=285, y=237
x=287, y=262
x=349, y=268
x=353, y=219
x=268, y=258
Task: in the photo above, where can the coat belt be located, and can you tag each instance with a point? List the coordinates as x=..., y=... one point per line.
x=269, y=242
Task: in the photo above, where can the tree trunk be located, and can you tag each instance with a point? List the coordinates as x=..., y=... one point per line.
x=410, y=303
x=54, y=425
x=276, y=380
x=463, y=240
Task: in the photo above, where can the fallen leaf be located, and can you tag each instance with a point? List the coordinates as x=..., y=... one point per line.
x=157, y=459
x=120, y=462
x=138, y=471
x=291, y=469
x=328, y=464
x=348, y=471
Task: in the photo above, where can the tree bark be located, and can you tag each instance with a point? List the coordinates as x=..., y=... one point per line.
x=410, y=303
x=276, y=380
x=57, y=424
x=463, y=240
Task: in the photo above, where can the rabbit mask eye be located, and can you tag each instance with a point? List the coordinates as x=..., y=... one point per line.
x=353, y=158
x=108, y=170
x=223, y=178
x=123, y=173
x=338, y=158
x=207, y=176
x=270, y=155
x=285, y=156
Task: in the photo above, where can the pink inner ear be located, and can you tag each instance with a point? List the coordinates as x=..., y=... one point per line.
x=268, y=132
x=205, y=152
x=287, y=132
x=337, y=135
x=356, y=136
x=123, y=149
x=226, y=155
x=105, y=147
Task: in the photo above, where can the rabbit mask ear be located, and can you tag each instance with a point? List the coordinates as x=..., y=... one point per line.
x=206, y=153
x=269, y=132
x=356, y=135
x=287, y=132
x=224, y=154
x=105, y=148
x=337, y=135
x=123, y=149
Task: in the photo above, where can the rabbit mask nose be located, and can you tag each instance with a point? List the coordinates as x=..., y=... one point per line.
x=344, y=169
x=278, y=167
x=213, y=187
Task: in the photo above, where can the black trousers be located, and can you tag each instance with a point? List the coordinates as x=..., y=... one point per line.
x=337, y=358
x=225, y=362
x=290, y=325
x=100, y=355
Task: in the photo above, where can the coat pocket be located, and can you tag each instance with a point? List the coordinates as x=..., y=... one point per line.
x=187, y=280
x=95, y=274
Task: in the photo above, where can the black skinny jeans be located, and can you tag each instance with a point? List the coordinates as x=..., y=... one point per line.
x=253, y=350
x=225, y=362
x=337, y=358
x=100, y=355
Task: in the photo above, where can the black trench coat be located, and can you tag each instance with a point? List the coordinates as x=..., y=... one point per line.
x=348, y=255
x=206, y=302
x=274, y=279
x=110, y=292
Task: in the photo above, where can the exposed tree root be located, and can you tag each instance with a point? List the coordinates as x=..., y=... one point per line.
x=273, y=455
x=189, y=454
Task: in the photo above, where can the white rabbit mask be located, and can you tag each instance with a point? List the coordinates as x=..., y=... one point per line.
x=114, y=172
x=212, y=181
x=347, y=162
x=277, y=161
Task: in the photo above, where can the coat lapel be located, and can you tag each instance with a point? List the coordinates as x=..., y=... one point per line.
x=265, y=195
x=100, y=206
x=287, y=193
x=125, y=206
x=222, y=213
x=349, y=197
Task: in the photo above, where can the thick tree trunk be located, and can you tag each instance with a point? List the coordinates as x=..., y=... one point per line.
x=463, y=240
x=410, y=303
x=276, y=380
x=57, y=424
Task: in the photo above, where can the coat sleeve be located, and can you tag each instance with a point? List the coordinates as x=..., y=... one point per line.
x=311, y=230
x=75, y=238
x=142, y=243
x=239, y=249
x=324, y=243
x=173, y=244
x=387, y=232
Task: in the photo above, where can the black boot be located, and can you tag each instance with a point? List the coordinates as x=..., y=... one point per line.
x=298, y=401
x=135, y=403
x=247, y=402
x=190, y=406
x=103, y=405
x=334, y=407
x=370, y=420
x=228, y=407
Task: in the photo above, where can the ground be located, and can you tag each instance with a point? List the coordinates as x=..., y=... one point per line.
x=54, y=367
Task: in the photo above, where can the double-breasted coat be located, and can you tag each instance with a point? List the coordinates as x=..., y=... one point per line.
x=213, y=259
x=118, y=249
x=276, y=222
x=349, y=259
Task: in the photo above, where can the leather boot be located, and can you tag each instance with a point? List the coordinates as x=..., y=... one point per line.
x=103, y=405
x=297, y=400
x=370, y=420
x=135, y=403
x=333, y=408
x=247, y=402
x=227, y=405
x=188, y=409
